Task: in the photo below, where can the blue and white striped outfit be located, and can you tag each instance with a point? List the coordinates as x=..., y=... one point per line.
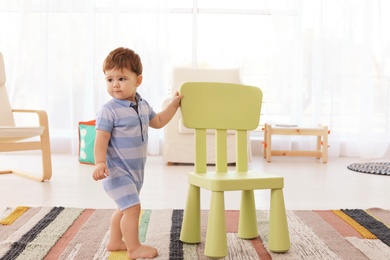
x=127, y=148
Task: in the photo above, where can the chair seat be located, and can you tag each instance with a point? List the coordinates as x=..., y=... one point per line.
x=13, y=134
x=233, y=180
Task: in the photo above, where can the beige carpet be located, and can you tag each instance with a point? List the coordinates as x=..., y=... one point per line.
x=72, y=233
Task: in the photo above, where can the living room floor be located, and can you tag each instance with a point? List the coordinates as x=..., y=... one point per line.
x=309, y=184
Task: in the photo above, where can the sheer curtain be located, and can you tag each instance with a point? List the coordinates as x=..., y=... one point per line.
x=333, y=68
x=54, y=52
x=317, y=61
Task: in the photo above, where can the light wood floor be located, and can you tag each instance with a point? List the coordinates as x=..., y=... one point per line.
x=309, y=184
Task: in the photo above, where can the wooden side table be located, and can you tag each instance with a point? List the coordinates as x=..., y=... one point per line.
x=322, y=141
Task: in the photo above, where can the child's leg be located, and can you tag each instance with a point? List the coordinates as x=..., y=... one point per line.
x=129, y=227
x=115, y=242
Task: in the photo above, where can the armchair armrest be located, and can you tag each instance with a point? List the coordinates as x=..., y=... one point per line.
x=43, y=144
x=42, y=116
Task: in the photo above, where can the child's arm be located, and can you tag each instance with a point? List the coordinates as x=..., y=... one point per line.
x=162, y=118
x=100, y=150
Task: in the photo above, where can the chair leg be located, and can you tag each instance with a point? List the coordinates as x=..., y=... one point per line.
x=46, y=162
x=190, y=229
x=247, y=227
x=26, y=175
x=46, y=154
x=22, y=174
x=265, y=142
x=216, y=241
x=268, y=141
x=318, y=146
x=278, y=237
x=325, y=145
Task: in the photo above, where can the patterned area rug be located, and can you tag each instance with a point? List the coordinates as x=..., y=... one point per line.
x=380, y=168
x=72, y=233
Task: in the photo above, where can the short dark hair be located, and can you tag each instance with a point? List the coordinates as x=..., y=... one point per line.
x=121, y=58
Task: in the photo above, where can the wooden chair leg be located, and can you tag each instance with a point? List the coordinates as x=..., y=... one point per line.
x=318, y=146
x=22, y=174
x=325, y=145
x=268, y=141
x=216, y=241
x=26, y=175
x=278, y=237
x=46, y=165
x=46, y=155
x=46, y=161
x=247, y=227
x=265, y=142
x=190, y=230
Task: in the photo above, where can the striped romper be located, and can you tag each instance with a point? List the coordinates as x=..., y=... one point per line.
x=127, y=148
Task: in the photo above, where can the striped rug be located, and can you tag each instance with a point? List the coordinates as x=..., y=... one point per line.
x=74, y=233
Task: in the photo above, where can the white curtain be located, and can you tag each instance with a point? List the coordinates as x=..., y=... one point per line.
x=54, y=52
x=332, y=68
x=317, y=61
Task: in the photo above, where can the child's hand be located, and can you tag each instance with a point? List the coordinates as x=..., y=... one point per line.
x=176, y=99
x=100, y=172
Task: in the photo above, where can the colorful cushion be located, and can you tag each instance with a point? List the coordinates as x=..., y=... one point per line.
x=87, y=133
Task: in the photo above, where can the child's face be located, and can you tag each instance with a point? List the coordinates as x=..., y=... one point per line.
x=122, y=84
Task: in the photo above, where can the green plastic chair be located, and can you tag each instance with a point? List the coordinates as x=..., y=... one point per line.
x=225, y=106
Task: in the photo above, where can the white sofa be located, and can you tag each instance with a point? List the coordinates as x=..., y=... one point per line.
x=179, y=140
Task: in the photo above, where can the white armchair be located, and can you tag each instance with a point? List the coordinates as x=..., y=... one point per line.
x=179, y=140
x=21, y=138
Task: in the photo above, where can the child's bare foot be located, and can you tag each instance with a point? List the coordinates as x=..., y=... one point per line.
x=119, y=246
x=143, y=252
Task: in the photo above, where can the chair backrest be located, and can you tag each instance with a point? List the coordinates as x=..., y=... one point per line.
x=181, y=75
x=220, y=106
x=6, y=118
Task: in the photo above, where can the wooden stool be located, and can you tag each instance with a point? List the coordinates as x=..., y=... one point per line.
x=322, y=141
